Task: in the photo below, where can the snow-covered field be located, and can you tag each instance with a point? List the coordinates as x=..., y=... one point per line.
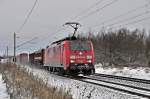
x=140, y=72
x=78, y=89
x=3, y=92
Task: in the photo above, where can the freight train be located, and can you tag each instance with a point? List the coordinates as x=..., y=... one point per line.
x=69, y=55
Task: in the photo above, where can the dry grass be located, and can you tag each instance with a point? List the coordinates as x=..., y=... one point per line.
x=28, y=86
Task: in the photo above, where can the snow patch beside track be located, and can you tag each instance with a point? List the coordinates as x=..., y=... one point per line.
x=140, y=72
x=3, y=90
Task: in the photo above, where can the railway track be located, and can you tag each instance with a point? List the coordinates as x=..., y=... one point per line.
x=126, y=88
x=124, y=78
x=118, y=86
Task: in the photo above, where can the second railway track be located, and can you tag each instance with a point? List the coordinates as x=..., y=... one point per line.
x=124, y=78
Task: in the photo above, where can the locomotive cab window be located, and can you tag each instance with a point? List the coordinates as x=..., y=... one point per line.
x=80, y=45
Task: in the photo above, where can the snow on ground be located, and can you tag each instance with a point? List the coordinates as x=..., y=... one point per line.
x=140, y=72
x=3, y=90
x=78, y=89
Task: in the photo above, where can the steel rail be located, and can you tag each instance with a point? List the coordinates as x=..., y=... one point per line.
x=83, y=79
x=124, y=78
x=118, y=83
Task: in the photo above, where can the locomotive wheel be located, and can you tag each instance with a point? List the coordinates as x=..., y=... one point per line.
x=51, y=69
x=46, y=67
x=92, y=71
x=54, y=69
x=61, y=71
x=67, y=72
x=73, y=73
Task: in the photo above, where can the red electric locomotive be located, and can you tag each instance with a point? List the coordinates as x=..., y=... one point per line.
x=70, y=55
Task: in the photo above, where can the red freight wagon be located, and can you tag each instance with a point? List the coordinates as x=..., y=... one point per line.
x=31, y=58
x=37, y=57
x=22, y=58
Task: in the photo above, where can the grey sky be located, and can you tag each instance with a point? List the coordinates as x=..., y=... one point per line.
x=49, y=15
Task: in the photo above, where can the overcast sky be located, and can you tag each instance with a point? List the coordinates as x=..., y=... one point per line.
x=49, y=15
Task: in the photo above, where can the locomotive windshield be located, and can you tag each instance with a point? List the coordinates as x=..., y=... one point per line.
x=80, y=45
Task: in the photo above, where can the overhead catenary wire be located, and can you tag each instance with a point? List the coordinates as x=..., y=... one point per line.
x=18, y=46
x=22, y=26
x=97, y=10
x=137, y=21
x=134, y=22
x=121, y=15
x=55, y=33
x=28, y=16
x=45, y=37
x=86, y=10
x=130, y=18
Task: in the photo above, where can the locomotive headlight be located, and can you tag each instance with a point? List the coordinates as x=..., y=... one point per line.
x=89, y=61
x=72, y=57
x=72, y=61
x=89, y=57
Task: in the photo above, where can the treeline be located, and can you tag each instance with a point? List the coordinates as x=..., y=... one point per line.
x=122, y=47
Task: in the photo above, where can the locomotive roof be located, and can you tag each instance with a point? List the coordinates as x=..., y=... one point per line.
x=64, y=39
